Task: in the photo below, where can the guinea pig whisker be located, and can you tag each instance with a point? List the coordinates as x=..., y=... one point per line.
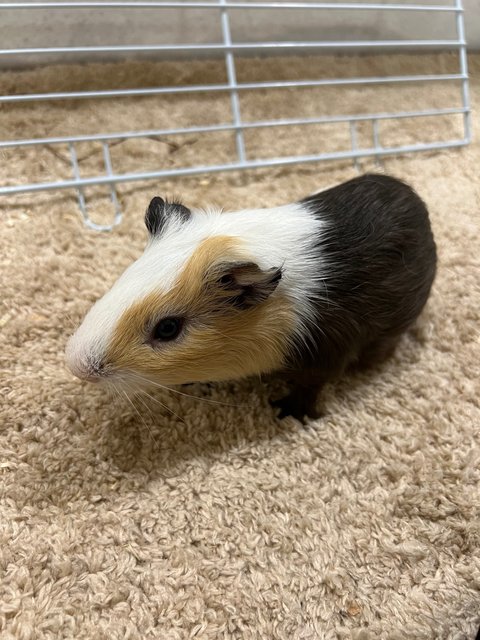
x=182, y=393
x=169, y=409
x=150, y=410
x=140, y=416
x=112, y=391
x=135, y=391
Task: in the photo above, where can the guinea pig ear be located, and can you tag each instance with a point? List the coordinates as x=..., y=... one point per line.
x=160, y=211
x=244, y=284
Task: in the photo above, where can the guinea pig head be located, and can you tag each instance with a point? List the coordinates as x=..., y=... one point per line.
x=196, y=306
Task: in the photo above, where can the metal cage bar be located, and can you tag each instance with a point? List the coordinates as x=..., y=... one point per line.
x=234, y=166
x=239, y=46
x=242, y=86
x=229, y=127
x=232, y=82
x=348, y=6
x=228, y=48
x=463, y=69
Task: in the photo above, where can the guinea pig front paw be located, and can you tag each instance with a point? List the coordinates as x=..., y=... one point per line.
x=297, y=408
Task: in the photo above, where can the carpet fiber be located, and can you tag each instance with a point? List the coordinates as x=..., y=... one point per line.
x=208, y=518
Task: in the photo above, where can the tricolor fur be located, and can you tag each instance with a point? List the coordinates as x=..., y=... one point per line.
x=308, y=289
x=178, y=275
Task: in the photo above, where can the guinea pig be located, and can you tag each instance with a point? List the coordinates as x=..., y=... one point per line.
x=307, y=289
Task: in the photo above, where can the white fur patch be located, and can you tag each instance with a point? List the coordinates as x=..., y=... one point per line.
x=278, y=237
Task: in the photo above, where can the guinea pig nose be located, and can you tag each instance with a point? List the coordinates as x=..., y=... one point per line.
x=89, y=371
x=83, y=366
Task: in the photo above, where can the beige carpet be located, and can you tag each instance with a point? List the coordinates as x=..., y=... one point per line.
x=179, y=518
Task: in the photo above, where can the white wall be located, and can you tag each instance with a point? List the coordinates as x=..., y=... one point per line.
x=70, y=27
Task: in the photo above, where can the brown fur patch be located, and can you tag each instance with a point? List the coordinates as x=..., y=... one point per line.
x=219, y=342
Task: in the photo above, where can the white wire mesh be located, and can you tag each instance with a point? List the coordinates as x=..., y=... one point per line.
x=223, y=11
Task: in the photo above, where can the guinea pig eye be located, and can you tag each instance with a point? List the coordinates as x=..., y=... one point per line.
x=227, y=279
x=167, y=329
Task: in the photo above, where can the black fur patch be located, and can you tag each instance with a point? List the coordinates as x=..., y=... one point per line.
x=159, y=211
x=380, y=254
x=379, y=258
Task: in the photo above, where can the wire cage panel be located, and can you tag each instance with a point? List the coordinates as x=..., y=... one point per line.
x=363, y=130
